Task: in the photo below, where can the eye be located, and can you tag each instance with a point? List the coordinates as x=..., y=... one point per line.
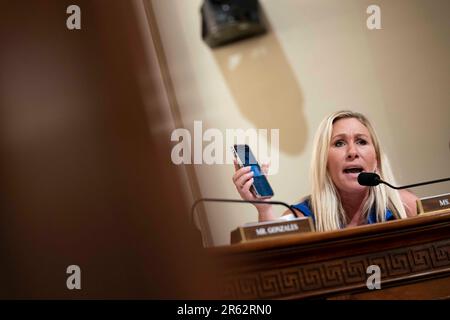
x=361, y=142
x=338, y=143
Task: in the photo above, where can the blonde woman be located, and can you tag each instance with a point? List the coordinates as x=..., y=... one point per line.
x=345, y=145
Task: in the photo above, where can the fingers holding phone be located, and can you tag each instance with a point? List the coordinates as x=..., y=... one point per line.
x=243, y=180
x=248, y=168
x=243, y=175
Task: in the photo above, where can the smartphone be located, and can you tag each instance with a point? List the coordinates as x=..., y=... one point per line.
x=245, y=158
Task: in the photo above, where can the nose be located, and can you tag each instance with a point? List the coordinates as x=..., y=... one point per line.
x=352, y=152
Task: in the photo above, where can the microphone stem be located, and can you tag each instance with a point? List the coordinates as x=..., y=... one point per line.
x=416, y=184
x=237, y=201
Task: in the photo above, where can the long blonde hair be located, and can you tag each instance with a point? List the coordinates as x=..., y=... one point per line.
x=325, y=201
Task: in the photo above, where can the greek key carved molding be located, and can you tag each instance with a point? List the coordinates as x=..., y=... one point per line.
x=338, y=273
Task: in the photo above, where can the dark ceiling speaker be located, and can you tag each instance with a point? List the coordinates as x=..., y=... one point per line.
x=226, y=21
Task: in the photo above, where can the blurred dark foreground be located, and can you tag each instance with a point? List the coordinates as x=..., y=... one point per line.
x=85, y=171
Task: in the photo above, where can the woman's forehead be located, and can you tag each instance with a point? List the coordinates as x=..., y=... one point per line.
x=349, y=126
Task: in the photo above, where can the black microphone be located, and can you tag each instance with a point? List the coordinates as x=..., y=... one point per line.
x=371, y=179
x=237, y=201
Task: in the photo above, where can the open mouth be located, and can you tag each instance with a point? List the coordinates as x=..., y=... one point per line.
x=353, y=170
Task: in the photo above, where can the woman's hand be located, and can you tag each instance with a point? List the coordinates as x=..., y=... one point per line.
x=243, y=180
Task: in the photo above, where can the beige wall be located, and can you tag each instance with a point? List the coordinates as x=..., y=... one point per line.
x=318, y=57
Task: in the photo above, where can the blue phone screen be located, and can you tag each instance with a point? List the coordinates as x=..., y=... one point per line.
x=256, y=170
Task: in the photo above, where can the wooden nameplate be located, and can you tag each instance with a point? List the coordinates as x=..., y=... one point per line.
x=270, y=229
x=434, y=204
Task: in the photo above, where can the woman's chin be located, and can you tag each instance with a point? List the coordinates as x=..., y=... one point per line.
x=353, y=187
